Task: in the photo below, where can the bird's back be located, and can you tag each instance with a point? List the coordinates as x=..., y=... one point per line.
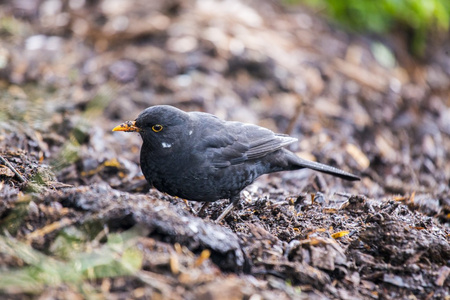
x=218, y=160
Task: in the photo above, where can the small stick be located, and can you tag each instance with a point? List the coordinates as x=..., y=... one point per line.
x=6, y=163
x=227, y=210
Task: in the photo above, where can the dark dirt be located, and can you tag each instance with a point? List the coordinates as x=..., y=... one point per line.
x=72, y=70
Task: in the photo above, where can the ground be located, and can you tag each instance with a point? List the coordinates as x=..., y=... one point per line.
x=79, y=220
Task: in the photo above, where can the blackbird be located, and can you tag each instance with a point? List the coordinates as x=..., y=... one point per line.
x=196, y=156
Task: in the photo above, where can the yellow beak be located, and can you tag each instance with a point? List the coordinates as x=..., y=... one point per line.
x=128, y=126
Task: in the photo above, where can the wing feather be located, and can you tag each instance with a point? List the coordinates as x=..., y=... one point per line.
x=237, y=143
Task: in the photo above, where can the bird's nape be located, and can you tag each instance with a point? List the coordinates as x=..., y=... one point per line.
x=203, y=158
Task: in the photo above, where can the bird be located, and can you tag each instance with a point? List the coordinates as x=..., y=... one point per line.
x=197, y=156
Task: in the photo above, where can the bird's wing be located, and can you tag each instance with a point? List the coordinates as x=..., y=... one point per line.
x=238, y=142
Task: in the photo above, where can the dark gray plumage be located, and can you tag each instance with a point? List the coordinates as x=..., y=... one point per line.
x=198, y=157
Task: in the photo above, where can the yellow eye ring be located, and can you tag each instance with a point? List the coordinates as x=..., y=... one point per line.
x=157, y=128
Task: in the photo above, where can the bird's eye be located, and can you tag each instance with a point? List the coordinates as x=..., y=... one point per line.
x=157, y=128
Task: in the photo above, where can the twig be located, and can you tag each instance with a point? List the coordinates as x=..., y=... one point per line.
x=6, y=163
x=50, y=228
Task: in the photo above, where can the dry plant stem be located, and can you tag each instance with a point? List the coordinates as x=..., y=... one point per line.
x=6, y=162
x=225, y=212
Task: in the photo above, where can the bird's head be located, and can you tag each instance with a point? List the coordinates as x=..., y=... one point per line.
x=160, y=127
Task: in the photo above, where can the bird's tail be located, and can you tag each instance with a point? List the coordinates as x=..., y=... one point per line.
x=300, y=163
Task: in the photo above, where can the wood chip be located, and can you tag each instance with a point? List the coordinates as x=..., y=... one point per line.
x=360, y=158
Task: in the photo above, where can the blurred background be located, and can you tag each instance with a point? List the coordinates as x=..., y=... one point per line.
x=363, y=85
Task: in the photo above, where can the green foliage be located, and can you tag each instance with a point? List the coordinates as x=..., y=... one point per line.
x=74, y=261
x=14, y=219
x=381, y=16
